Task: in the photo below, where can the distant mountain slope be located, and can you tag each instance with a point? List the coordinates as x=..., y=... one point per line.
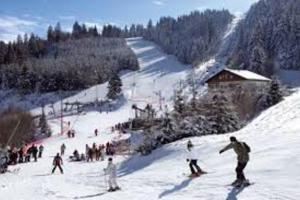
x=192, y=38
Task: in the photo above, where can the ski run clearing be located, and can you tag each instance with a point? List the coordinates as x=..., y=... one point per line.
x=274, y=137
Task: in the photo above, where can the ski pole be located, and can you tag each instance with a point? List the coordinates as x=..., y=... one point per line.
x=105, y=179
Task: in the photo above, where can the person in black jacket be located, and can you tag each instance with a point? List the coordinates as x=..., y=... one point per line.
x=41, y=150
x=57, y=162
x=34, y=151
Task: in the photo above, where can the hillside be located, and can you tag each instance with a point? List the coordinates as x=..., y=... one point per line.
x=268, y=38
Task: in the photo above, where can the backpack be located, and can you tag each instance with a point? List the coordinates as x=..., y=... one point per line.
x=248, y=149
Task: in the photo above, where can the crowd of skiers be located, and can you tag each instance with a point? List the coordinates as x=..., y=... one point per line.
x=121, y=127
x=14, y=155
x=92, y=153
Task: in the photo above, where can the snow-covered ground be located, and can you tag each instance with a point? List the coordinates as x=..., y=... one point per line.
x=273, y=136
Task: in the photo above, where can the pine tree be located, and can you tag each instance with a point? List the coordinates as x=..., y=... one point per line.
x=222, y=116
x=179, y=103
x=274, y=94
x=58, y=32
x=44, y=127
x=50, y=34
x=114, y=87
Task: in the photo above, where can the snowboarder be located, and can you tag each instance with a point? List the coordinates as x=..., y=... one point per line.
x=111, y=171
x=62, y=149
x=57, y=162
x=242, y=150
x=192, y=159
x=41, y=149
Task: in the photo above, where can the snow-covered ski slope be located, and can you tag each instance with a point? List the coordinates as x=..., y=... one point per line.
x=274, y=167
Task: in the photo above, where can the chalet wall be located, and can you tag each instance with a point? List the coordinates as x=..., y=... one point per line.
x=244, y=95
x=224, y=76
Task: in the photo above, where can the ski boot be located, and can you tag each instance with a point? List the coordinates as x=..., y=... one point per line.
x=235, y=183
x=194, y=175
x=117, y=188
x=111, y=190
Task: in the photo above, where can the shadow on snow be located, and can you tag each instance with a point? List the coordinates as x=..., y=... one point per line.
x=138, y=162
x=176, y=188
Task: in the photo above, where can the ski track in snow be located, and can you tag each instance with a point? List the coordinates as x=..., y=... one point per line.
x=273, y=137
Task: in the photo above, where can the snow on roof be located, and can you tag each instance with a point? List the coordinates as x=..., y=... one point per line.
x=248, y=75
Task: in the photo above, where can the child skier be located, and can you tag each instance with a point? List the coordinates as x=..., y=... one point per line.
x=57, y=162
x=62, y=149
x=242, y=150
x=192, y=159
x=111, y=171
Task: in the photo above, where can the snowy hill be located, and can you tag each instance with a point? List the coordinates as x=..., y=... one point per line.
x=273, y=137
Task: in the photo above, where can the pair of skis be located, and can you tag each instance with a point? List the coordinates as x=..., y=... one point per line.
x=96, y=195
x=238, y=186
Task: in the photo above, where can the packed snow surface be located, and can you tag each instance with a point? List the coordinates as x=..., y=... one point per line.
x=273, y=136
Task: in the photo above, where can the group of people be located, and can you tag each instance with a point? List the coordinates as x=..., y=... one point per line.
x=14, y=155
x=121, y=127
x=91, y=153
x=240, y=148
x=71, y=133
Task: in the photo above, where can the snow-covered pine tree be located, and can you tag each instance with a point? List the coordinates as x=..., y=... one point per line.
x=222, y=116
x=44, y=127
x=275, y=93
x=179, y=104
x=114, y=87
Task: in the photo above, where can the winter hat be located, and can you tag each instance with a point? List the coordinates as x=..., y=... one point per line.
x=110, y=159
x=233, y=139
x=189, y=144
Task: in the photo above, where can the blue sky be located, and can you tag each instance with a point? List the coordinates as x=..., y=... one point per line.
x=20, y=16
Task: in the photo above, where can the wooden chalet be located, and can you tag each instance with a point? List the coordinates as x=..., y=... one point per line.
x=229, y=78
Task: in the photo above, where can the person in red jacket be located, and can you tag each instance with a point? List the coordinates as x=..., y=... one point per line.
x=57, y=162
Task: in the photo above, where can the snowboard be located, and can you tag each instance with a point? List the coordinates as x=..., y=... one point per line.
x=195, y=175
x=247, y=184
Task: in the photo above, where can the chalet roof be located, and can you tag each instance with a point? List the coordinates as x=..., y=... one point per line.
x=247, y=75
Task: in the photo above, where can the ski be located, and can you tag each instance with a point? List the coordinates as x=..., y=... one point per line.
x=241, y=185
x=90, y=196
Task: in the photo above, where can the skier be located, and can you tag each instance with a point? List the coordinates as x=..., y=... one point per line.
x=41, y=149
x=76, y=156
x=87, y=148
x=20, y=152
x=3, y=161
x=242, y=150
x=34, y=150
x=62, y=149
x=96, y=132
x=57, y=162
x=27, y=154
x=111, y=171
x=192, y=159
